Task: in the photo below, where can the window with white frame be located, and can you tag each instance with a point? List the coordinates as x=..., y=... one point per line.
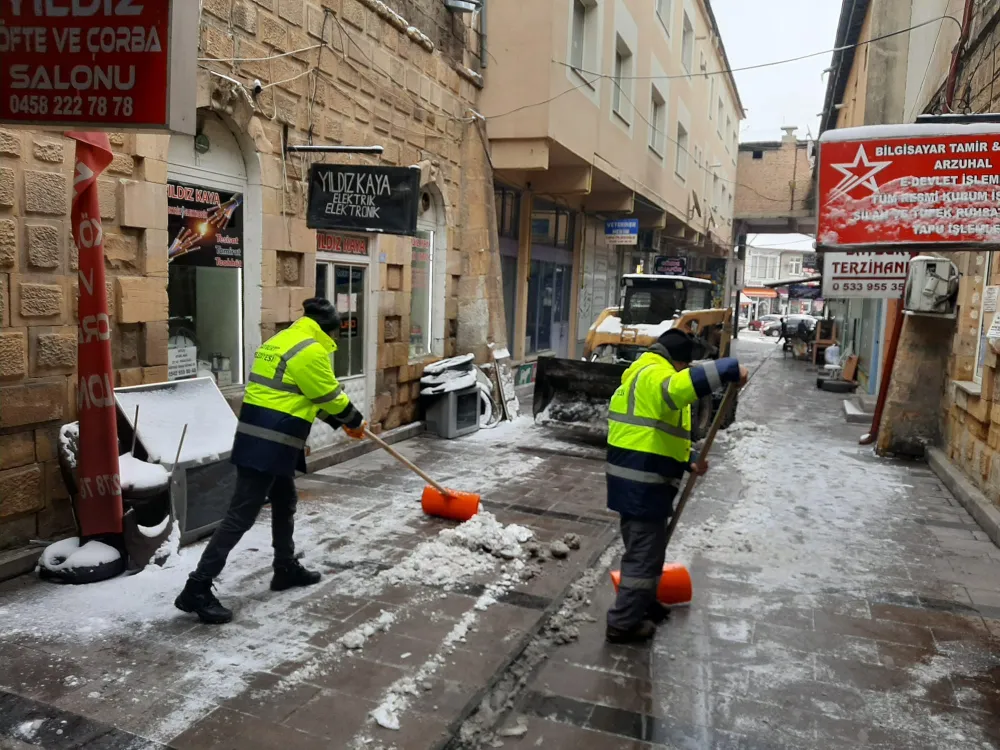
x=795, y=265
x=657, y=121
x=663, y=9
x=622, y=80
x=682, y=151
x=764, y=267
x=583, y=43
x=687, y=44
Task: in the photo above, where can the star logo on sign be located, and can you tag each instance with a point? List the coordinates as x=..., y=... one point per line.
x=860, y=173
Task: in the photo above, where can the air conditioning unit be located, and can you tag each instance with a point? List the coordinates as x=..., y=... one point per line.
x=931, y=287
x=463, y=6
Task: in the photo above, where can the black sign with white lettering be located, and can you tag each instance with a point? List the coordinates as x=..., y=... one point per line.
x=364, y=199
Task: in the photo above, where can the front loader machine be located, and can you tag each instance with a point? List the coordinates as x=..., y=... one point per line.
x=574, y=394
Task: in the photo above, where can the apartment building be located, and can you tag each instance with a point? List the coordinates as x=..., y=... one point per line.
x=767, y=265
x=597, y=110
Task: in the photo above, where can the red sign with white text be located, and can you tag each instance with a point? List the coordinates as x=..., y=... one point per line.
x=98, y=62
x=99, y=503
x=907, y=187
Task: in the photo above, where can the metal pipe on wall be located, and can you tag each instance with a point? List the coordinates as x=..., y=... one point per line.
x=483, y=53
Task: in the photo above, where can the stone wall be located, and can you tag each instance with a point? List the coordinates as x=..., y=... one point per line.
x=38, y=294
x=359, y=72
x=765, y=183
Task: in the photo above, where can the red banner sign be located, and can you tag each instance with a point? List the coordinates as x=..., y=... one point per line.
x=327, y=242
x=909, y=184
x=99, y=62
x=99, y=507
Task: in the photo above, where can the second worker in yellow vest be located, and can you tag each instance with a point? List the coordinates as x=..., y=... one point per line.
x=649, y=452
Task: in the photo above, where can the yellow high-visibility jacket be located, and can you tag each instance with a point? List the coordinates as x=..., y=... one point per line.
x=649, y=430
x=291, y=383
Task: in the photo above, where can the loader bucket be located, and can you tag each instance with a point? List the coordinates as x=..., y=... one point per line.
x=575, y=393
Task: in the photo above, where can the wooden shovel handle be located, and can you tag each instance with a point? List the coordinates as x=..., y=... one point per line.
x=405, y=461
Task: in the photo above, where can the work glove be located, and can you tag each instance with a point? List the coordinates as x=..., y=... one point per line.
x=358, y=433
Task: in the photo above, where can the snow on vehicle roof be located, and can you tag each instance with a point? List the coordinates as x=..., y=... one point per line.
x=907, y=130
x=660, y=277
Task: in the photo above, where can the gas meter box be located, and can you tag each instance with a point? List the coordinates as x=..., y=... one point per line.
x=931, y=287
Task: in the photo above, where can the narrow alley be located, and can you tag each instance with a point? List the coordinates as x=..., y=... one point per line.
x=841, y=600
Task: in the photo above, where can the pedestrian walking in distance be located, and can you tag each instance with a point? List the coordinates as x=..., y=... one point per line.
x=649, y=451
x=291, y=384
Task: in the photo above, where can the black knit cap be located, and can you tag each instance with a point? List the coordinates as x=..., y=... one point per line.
x=680, y=345
x=323, y=312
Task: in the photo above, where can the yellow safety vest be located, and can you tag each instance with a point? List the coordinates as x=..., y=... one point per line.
x=650, y=411
x=291, y=383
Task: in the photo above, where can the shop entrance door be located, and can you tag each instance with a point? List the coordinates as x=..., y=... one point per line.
x=346, y=286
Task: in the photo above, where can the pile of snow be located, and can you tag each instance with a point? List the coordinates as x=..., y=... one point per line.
x=458, y=555
x=140, y=476
x=484, y=533
x=356, y=638
x=68, y=554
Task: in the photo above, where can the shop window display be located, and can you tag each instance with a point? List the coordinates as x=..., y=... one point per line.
x=205, y=284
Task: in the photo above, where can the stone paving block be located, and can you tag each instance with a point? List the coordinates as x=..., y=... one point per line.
x=224, y=728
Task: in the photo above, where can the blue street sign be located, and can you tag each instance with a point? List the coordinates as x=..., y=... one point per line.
x=621, y=231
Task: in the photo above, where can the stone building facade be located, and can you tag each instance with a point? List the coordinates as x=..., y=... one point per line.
x=401, y=74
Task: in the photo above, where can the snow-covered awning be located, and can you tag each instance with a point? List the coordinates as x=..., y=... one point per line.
x=790, y=282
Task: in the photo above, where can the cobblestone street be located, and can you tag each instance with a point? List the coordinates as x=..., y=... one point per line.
x=841, y=600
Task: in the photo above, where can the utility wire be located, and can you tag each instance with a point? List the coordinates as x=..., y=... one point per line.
x=771, y=64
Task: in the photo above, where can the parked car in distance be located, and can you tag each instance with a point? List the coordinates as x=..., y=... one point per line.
x=763, y=320
x=773, y=328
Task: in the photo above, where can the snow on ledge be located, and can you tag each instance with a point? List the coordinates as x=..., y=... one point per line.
x=907, y=130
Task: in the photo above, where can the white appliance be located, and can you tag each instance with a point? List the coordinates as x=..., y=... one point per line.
x=931, y=286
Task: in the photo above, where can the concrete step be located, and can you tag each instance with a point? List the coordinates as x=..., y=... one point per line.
x=856, y=411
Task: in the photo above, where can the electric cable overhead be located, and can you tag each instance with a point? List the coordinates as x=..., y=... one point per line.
x=758, y=66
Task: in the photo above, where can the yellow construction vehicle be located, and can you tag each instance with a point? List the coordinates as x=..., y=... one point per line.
x=575, y=393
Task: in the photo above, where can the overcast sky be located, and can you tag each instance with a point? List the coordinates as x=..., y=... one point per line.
x=790, y=94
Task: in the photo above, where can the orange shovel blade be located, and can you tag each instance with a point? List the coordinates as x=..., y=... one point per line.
x=675, y=584
x=455, y=506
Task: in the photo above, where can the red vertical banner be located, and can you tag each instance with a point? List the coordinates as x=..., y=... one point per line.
x=99, y=506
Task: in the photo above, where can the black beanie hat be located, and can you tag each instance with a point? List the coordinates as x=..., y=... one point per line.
x=679, y=344
x=323, y=312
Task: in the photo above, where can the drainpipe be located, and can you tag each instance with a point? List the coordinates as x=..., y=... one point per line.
x=483, y=54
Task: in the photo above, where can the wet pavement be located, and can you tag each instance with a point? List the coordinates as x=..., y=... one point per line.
x=841, y=601
x=114, y=666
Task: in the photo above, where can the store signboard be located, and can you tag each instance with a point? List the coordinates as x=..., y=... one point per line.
x=664, y=266
x=364, y=199
x=926, y=184
x=804, y=291
x=102, y=64
x=182, y=362
x=328, y=242
x=204, y=226
x=864, y=275
x=621, y=231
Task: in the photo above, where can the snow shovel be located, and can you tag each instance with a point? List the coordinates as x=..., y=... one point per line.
x=675, y=581
x=436, y=500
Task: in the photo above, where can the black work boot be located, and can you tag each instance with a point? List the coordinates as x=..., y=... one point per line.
x=197, y=597
x=657, y=613
x=641, y=632
x=290, y=574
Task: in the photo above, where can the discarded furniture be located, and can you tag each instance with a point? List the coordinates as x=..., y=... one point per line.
x=202, y=479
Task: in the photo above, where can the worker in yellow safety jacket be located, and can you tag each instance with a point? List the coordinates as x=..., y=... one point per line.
x=649, y=452
x=291, y=384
